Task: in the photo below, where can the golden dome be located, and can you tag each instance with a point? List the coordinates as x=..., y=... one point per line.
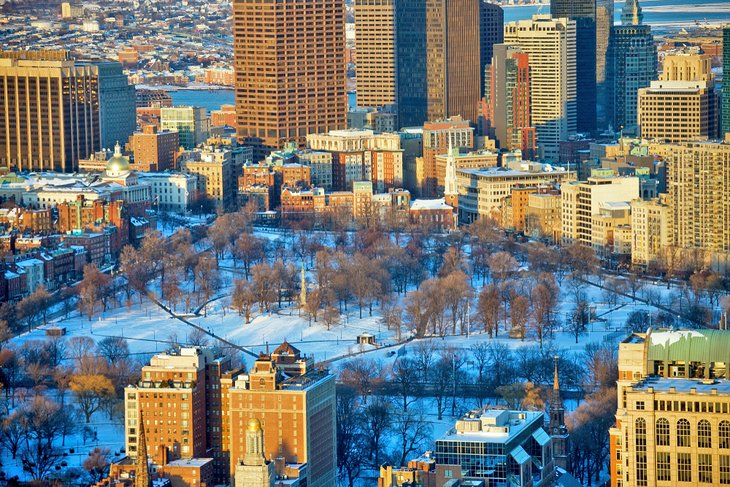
x=118, y=164
x=254, y=425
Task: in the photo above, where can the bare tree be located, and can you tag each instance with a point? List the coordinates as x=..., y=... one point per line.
x=13, y=432
x=93, y=289
x=331, y=316
x=249, y=250
x=90, y=391
x=378, y=420
x=502, y=265
x=243, y=298
x=413, y=432
x=488, y=306
x=519, y=314
x=113, y=348
x=207, y=279
x=401, y=377
x=97, y=464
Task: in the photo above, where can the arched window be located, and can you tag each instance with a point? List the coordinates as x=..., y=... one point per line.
x=640, y=430
x=662, y=432
x=683, y=432
x=704, y=434
x=724, y=434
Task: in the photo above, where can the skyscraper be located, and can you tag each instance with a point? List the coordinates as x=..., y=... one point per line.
x=117, y=104
x=49, y=111
x=594, y=22
x=437, y=65
x=550, y=45
x=491, y=32
x=634, y=64
x=289, y=58
x=375, y=37
x=507, y=101
x=725, y=124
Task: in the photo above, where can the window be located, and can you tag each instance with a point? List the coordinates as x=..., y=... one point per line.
x=640, y=405
x=724, y=434
x=705, y=468
x=663, y=466
x=704, y=434
x=684, y=467
x=662, y=432
x=725, y=469
x=641, y=452
x=682, y=432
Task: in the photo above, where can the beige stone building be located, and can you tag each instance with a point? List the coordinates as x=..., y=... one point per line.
x=611, y=230
x=550, y=44
x=583, y=200
x=698, y=183
x=673, y=419
x=650, y=230
x=217, y=174
x=543, y=215
x=482, y=191
x=683, y=104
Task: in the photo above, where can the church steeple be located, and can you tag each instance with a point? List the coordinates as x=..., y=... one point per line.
x=141, y=471
x=303, y=292
x=558, y=431
x=631, y=13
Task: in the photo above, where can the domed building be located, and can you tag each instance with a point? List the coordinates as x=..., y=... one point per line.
x=119, y=171
x=118, y=165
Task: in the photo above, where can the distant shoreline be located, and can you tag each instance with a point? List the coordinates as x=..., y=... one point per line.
x=183, y=88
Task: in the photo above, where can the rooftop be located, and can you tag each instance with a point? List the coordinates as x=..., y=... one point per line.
x=661, y=384
x=189, y=462
x=493, y=425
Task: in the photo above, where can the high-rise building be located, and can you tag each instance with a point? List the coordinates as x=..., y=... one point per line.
x=699, y=199
x=375, y=36
x=683, y=104
x=507, y=112
x=725, y=125
x=673, y=418
x=296, y=407
x=550, y=46
x=634, y=65
x=593, y=27
x=191, y=123
x=49, y=111
x=491, y=32
x=289, y=58
x=201, y=422
x=117, y=104
x=437, y=63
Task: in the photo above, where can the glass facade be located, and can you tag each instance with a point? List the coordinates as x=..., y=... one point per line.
x=594, y=29
x=726, y=83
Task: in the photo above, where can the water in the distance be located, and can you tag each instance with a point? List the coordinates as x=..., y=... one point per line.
x=662, y=15
x=210, y=99
x=213, y=99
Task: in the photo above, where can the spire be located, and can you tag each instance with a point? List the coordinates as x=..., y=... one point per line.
x=558, y=431
x=303, y=285
x=117, y=150
x=631, y=13
x=141, y=472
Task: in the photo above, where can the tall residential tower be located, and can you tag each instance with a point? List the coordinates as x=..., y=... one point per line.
x=550, y=45
x=289, y=58
x=634, y=64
